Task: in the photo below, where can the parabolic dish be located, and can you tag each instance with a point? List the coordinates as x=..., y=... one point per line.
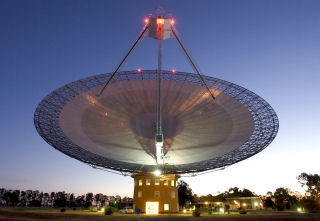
x=117, y=129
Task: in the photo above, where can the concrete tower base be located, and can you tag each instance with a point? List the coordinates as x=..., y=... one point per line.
x=156, y=194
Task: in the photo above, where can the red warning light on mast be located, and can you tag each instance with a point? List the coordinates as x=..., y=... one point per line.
x=160, y=21
x=173, y=71
x=139, y=70
x=172, y=22
x=146, y=20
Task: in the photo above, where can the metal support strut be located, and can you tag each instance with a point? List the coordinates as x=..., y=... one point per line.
x=125, y=58
x=194, y=67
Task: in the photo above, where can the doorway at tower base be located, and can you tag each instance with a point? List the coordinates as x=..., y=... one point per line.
x=155, y=194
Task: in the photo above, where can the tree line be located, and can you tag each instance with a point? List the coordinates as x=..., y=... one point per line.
x=58, y=199
x=281, y=199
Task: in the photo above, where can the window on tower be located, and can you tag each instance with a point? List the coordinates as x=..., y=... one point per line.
x=157, y=194
x=173, y=194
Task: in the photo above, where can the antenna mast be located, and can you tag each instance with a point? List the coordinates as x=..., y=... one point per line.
x=159, y=134
x=160, y=27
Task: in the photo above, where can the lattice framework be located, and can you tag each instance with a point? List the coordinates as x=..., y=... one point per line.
x=46, y=120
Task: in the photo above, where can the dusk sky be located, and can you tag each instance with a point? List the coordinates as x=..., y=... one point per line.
x=270, y=47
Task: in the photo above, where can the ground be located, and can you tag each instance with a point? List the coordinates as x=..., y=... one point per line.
x=36, y=214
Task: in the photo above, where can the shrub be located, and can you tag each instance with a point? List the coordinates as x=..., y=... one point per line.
x=62, y=210
x=310, y=205
x=242, y=210
x=196, y=213
x=280, y=207
x=108, y=210
x=227, y=208
x=93, y=209
x=209, y=211
x=74, y=208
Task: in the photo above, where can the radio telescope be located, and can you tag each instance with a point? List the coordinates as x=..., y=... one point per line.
x=156, y=125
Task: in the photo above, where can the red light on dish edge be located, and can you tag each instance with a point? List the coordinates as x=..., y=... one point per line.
x=172, y=22
x=146, y=20
x=139, y=70
x=173, y=71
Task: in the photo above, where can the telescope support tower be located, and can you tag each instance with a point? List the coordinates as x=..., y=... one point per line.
x=156, y=194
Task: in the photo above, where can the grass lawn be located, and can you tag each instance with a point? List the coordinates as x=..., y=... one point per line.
x=28, y=214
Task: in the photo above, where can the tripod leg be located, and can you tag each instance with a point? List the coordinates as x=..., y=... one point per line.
x=124, y=59
x=194, y=67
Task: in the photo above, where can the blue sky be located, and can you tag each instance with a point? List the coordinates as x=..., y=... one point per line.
x=271, y=47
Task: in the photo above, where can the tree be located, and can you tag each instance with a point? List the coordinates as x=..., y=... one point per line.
x=268, y=202
x=99, y=199
x=284, y=198
x=46, y=199
x=15, y=197
x=52, y=194
x=235, y=192
x=88, y=200
x=80, y=201
x=312, y=182
x=7, y=197
x=11, y=197
x=281, y=195
x=247, y=193
x=103, y=200
x=269, y=194
x=23, y=198
x=40, y=198
x=184, y=193
x=28, y=197
x=60, y=199
x=72, y=200
x=311, y=202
